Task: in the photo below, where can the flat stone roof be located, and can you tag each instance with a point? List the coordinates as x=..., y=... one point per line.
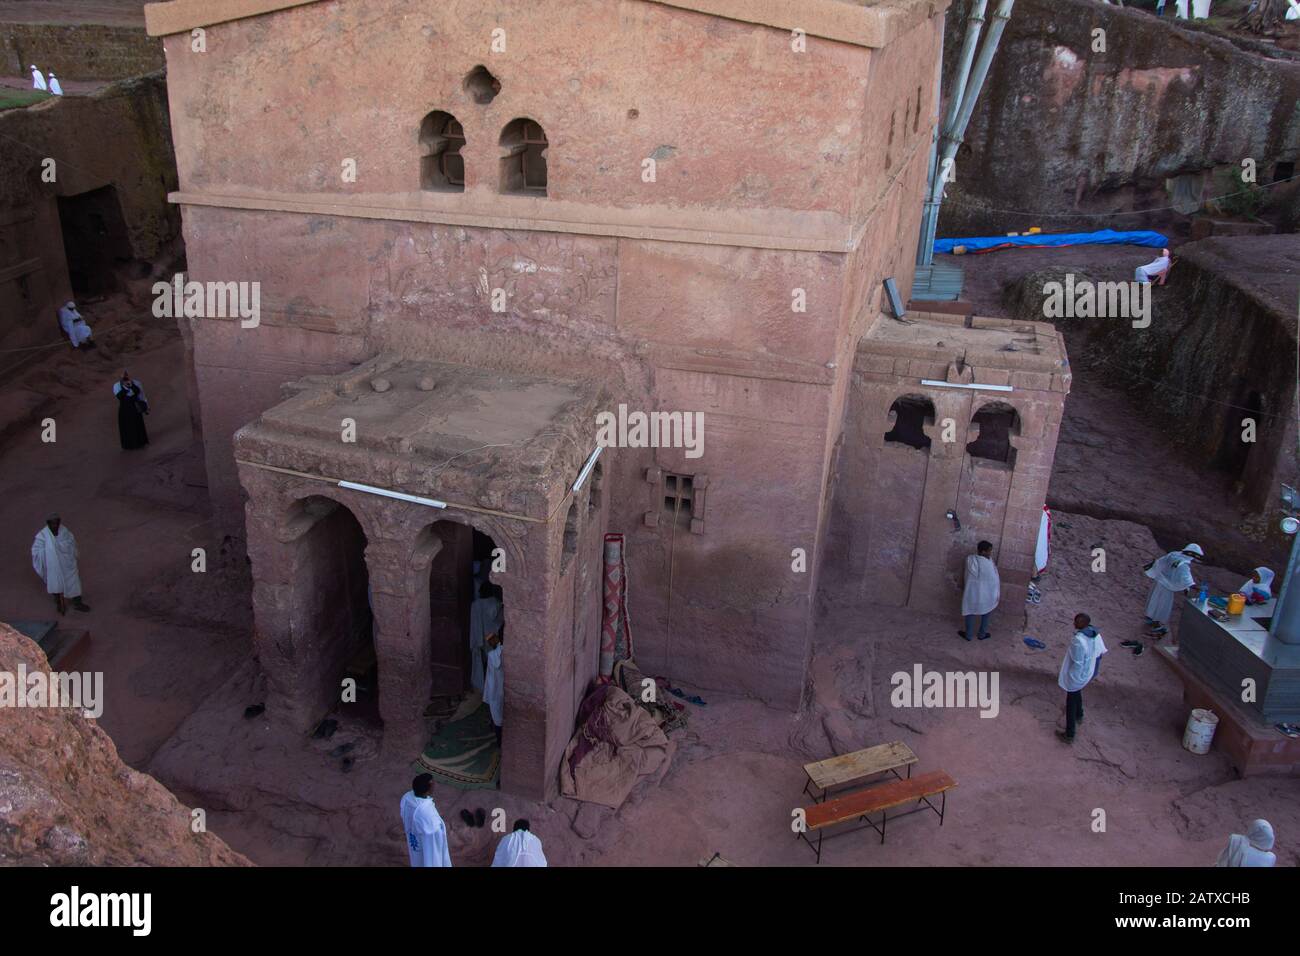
x=467, y=436
x=868, y=23
x=992, y=342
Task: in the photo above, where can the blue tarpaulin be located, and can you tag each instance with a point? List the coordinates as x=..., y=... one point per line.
x=1103, y=237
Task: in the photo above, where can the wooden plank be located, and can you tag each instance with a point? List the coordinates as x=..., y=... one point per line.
x=837, y=771
x=883, y=796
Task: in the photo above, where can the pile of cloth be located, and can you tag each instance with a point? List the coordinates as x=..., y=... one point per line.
x=667, y=713
x=616, y=744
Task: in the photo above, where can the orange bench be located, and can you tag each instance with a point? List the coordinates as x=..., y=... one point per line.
x=880, y=798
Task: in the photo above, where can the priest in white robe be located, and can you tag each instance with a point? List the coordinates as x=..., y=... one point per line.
x=519, y=848
x=38, y=80
x=426, y=834
x=1251, y=849
x=1169, y=575
x=54, y=558
x=55, y=88
x=981, y=593
x=485, y=617
x=494, y=688
x=74, y=326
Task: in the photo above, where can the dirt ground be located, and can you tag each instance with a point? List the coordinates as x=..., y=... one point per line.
x=174, y=647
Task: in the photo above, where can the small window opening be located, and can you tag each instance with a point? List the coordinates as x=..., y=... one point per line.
x=481, y=85
x=997, y=423
x=911, y=415
x=523, y=160
x=441, y=166
x=679, y=497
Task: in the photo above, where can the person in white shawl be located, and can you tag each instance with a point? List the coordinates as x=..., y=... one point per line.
x=1157, y=269
x=1260, y=586
x=1171, y=573
x=485, y=617
x=55, y=88
x=1078, y=667
x=980, y=595
x=426, y=834
x=54, y=558
x=1253, y=849
x=494, y=688
x=38, y=80
x=519, y=848
x=74, y=326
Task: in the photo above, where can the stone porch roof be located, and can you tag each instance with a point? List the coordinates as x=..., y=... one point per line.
x=992, y=351
x=471, y=437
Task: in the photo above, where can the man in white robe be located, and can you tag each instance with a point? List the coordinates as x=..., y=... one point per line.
x=1252, y=849
x=1171, y=573
x=74, y=326
x=426, y=834
x=54, y=558
x=519, y=848
x=494, y=688
x=1077, y=669
x=980, y=595
x=55, y=88
x=485, y=617
x=1157, y=269
x=38, y=80
x=1260, y=586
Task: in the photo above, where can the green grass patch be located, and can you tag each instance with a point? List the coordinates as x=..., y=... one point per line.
x=16, y=99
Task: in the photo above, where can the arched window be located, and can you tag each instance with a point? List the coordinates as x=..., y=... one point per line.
x=997, y=421
x=441, y=165
x=911, y=414
x=523, y=158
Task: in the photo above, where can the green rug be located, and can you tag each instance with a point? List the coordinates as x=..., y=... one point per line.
x=464, y=753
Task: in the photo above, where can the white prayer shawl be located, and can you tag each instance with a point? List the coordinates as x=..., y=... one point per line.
x=38, y=80
x=426, y=834
x=55, y=88
x=485, y=617
x=74, y=326
x=1077, y=666
x=1151, y=270
x=55, y=560
x=1251, y=849
x=494, y=685
x=1043, y=548
x=1264, y=588
x=139, y=390
x=519, y=848
x=983, y=588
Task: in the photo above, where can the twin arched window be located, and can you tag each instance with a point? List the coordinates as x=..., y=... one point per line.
x=997, y=422
x=523, y=156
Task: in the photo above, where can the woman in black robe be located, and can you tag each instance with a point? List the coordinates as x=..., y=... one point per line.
x=131, y=409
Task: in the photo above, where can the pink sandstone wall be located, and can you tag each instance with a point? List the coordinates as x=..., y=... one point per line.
x=677, y=294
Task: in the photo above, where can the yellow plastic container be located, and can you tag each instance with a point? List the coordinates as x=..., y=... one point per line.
x=1236, y=603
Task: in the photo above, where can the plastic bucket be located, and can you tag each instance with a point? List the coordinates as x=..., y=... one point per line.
x=1236, y=603
x=1200, y=731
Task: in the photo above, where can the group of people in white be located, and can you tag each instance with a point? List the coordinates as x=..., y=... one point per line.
x=426, y=834
x=39, y=83
x=1170, y=575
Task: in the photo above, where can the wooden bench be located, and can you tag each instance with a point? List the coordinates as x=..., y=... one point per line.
x=880, y=798
x=825, y=775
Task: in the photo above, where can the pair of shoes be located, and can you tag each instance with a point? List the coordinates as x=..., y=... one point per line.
x=985, y=636
x=1158, y=632
x=1065, y=737
x=962, y=635
x=80, y=605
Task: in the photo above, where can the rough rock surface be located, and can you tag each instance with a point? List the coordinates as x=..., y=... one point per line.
x=67, y=799
x=1061, y=130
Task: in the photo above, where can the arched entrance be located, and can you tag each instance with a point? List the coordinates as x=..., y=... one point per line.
x=333, y=622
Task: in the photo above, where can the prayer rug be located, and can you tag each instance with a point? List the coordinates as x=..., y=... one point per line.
x=464, y=753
